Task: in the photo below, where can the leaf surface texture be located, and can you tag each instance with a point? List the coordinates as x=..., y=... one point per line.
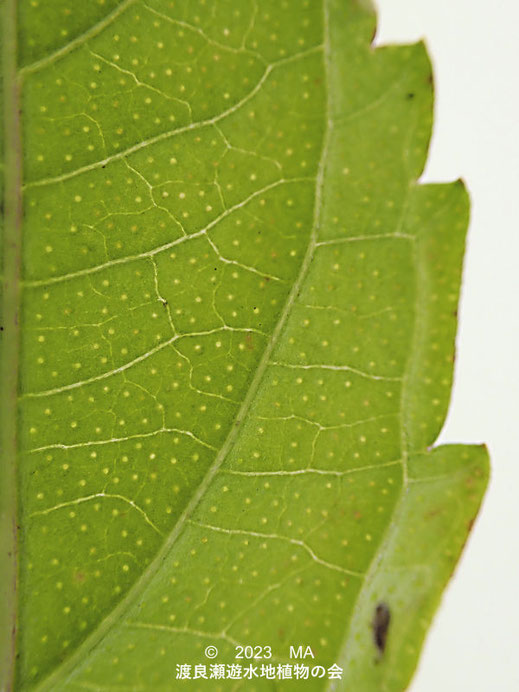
x=237, y=323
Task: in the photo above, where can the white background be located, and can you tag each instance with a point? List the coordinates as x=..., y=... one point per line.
x=474, y=641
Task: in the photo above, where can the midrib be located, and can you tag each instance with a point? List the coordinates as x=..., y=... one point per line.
x=117, y=614
x=11, y=248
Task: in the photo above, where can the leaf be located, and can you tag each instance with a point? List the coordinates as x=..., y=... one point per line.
x=235, y=312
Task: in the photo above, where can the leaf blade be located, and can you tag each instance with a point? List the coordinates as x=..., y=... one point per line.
x=350, y=255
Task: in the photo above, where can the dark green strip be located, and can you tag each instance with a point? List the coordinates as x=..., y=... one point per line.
x=10, y=344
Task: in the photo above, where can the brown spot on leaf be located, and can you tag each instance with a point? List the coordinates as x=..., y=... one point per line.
x=380, y=626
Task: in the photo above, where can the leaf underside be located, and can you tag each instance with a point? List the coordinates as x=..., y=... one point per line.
x=237, y=322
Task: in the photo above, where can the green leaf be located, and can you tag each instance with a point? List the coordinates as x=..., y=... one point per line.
x=229, y=317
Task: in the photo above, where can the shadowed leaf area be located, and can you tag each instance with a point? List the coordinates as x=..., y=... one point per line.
x=237, y=323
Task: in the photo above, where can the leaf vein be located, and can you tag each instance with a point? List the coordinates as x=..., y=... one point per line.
x=273, y=536
x=89, y=498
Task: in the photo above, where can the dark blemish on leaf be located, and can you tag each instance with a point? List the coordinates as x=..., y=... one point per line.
x=380, y=626
x=249, y=341
x=410, y=95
